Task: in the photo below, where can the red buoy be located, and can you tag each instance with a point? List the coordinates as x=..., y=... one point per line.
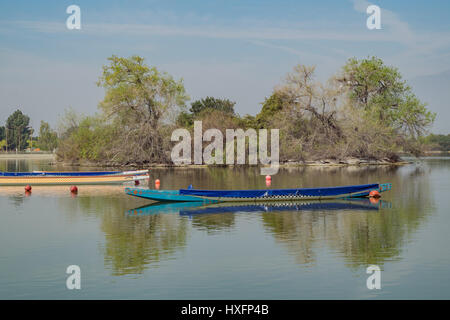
x=268, y=177
x=74, y=189
x=374, y=194
x=28, y=188
x=157, y=183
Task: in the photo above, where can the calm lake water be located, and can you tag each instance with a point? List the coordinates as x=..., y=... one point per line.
x=308, y=251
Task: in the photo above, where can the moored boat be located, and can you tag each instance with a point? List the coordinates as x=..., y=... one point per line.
x=72, y=177
x=214, y=196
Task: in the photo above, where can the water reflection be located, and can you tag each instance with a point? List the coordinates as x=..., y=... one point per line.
x=359, y=238
x=358, y=232
x=132, y=244
x=240, y=177
x=198, y=208
x=291, y=223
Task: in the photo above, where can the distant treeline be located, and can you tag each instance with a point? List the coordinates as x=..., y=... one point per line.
x=17, y=135
x=437, y=142
x=366, y=110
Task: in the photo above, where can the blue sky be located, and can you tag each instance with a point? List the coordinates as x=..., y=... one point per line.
x=232, y=49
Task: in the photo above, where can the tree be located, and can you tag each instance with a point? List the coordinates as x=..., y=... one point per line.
x=302, y=96
x=138, y=103
x=211, y=103
x=2, y=138
x=270, y=107
x=48, y=139
x=185, y=119
x=17, y=130
x=382, y=93
x=439, y=142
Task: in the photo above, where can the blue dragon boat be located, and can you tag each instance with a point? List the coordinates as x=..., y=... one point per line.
x=215, y=196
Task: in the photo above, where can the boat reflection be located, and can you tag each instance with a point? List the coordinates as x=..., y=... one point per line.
x=195, y=208
x=162, y=208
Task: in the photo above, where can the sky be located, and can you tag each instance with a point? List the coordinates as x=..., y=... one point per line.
x=229, y=49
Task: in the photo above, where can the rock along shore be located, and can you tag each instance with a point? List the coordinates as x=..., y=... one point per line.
x=316, y=163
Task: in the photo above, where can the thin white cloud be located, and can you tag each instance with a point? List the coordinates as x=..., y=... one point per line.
x=208, y=31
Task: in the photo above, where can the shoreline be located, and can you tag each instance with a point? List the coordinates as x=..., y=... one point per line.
x=288, y=164
x=26, y=156
x=350, y=162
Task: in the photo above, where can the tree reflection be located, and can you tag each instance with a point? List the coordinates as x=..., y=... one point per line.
x=295, y=230
x=132, y=243
x=213, y=223
x=360, y=237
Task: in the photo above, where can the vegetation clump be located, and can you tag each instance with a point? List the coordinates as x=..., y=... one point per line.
x=365, y=111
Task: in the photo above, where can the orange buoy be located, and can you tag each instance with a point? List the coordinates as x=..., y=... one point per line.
x=74, y=189
x=28, y=188
x=157, y=183
x=374, y=194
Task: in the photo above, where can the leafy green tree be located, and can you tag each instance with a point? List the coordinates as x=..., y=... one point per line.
x=48, y=139
x=2, y=133
x=247, y=121
x=139, y=102
x=18, y=130
x=223, y=105
x=85, y=138
x=185, y=119
x=270, y=107
x=385, y=96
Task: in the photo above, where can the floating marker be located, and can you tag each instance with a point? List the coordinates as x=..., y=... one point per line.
x=374, y=194
x=28, y=188
x=268, y=177
x=74, y=189
x=157, y=183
